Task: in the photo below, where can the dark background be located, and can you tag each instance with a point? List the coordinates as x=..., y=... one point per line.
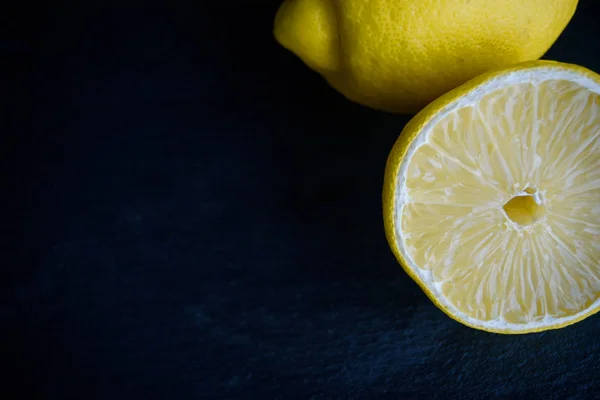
x=192, y=213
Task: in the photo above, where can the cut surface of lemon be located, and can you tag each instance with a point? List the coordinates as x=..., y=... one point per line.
x=492, y=198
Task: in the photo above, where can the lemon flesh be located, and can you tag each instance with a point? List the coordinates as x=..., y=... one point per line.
x=492, y=198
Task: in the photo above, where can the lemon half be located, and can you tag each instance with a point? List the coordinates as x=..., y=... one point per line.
x=492, y=198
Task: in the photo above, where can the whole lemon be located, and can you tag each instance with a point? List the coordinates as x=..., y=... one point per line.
x=399, y=55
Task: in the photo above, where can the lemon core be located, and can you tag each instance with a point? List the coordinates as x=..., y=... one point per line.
x=525, y=208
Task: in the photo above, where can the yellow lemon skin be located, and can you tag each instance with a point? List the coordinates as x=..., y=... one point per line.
x=399, y=55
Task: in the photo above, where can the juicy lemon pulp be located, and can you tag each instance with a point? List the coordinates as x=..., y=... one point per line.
x=497, y=208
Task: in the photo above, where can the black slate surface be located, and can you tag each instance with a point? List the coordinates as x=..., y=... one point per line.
x=193, y=214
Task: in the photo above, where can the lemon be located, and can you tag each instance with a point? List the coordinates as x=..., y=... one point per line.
x=492, y=198
x=399, y=55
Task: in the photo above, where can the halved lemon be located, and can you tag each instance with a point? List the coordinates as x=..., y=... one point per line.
x=492, y=198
